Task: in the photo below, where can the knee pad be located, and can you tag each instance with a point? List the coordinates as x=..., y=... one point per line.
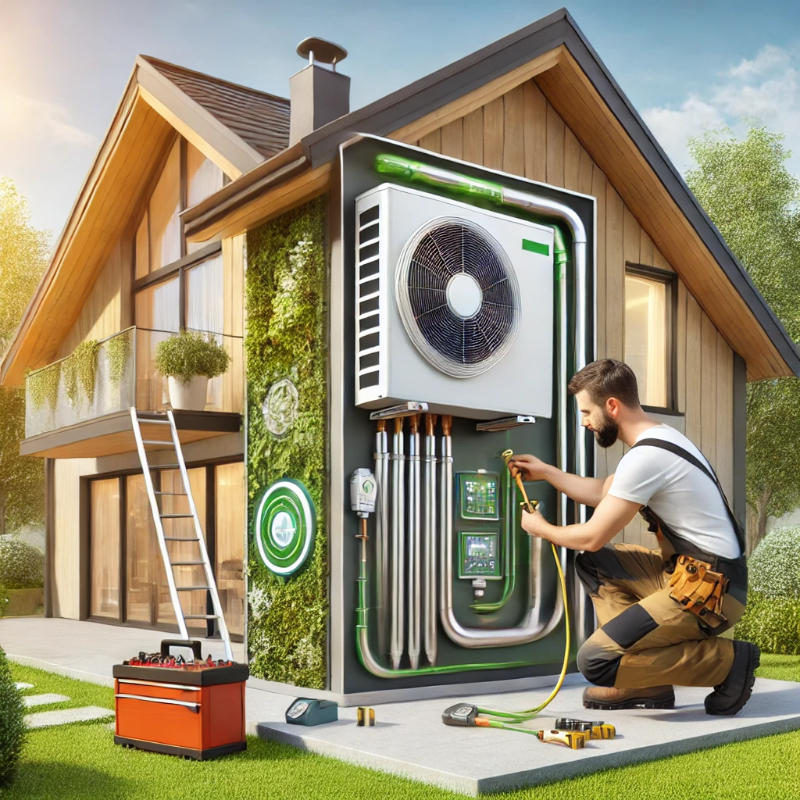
x=598, y=665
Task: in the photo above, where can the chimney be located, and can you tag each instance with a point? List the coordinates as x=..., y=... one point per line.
x=317, y=94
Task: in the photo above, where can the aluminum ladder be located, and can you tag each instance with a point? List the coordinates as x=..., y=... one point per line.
x=210, y=585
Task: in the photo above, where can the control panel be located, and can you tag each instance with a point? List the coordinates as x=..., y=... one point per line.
x=478, y=555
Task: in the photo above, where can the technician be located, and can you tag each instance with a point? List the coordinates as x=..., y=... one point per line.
x=660, y=611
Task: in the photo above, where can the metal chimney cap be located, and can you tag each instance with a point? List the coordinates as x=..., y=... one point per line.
x=316, y=49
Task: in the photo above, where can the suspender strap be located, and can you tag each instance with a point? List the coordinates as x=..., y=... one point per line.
x=684, y=454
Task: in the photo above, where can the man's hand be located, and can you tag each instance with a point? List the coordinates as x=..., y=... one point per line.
x=529, y=467
x=534, y=524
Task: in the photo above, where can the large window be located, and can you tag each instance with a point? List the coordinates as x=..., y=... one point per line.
x=127, y=578
x=649, y=332
x=176, y=284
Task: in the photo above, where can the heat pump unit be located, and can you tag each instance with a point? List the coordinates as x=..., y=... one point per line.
x=454, y=306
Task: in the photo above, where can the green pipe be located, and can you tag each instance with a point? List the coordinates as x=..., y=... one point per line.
x=365, y=656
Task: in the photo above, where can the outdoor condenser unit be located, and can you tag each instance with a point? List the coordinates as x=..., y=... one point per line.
x=454, y=306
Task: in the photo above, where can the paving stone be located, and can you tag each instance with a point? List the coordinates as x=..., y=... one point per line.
x=32, y=700
x=21, y=685
x=45, y=719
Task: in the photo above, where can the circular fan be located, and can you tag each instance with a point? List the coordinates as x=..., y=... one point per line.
x=457, y=296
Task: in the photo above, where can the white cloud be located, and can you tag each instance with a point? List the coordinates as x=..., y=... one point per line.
x=23, y=116
x=764, y=90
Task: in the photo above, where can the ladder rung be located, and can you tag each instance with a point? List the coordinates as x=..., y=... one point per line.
x=174, y=516
x=180, y=539
x=148, y=421
x=158, y=441
x=163, y=466
x=192, y=588
x=187, y=563
x=200, y=616
x=175, y=494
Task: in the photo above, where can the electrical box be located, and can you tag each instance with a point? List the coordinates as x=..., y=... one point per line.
x=479, y=555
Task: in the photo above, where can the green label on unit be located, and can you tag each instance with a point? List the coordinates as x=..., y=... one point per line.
x=479, y=554
x=284, y=525
x=478, y=495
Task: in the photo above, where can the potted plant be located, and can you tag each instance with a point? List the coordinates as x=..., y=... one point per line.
x=188, y=360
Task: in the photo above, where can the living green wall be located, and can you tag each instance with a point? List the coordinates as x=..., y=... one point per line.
x=286, y=325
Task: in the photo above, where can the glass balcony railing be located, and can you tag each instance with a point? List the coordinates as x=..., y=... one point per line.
x=109, y=376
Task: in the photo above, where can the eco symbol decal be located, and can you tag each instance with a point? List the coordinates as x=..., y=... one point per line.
x=284, y=525
x=280, y=407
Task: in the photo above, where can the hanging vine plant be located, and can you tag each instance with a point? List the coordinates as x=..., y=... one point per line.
x=43, y=386
x=81, y=369
x=118, y=351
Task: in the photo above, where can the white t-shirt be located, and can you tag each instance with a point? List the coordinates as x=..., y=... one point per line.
x=679, y=493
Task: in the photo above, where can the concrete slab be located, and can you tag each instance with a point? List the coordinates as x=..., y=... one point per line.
x=409, y=738
x=22, y=686
x=46, y=719
x=32, y=700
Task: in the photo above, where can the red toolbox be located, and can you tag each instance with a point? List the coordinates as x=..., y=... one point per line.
x=195, y=710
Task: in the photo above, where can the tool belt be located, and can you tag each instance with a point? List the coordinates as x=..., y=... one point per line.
x=699, y=589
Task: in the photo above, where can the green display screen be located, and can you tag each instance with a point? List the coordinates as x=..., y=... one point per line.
x=478, y=495
x=479, y=555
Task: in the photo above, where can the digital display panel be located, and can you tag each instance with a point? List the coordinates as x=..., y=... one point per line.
x=478, y=493
x=479, y=557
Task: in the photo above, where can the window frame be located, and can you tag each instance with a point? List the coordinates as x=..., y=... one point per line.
x=670, y=280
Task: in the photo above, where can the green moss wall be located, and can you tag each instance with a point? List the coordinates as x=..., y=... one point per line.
x=286, y=324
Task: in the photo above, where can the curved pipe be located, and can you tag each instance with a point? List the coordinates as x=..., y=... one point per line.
x=531, y=628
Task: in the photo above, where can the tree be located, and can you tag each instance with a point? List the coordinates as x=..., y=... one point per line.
x=752, y=198
x=23, y=257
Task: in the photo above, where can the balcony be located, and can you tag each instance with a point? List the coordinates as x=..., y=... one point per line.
x=79, y=406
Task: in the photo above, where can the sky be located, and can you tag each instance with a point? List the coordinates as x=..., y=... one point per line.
x=687, y=66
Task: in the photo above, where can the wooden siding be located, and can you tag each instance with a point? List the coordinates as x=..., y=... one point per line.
x=107, y=310
x=233, y=321
x=521, y=132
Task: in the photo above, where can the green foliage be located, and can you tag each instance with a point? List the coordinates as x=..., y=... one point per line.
x=21, y=565
x=286, y=276
x=774, y=567
x=753, y=200
x=189, y=354
x=84, y=357
x=43, y=386
x=23, y=258
x=773, y=623
x=12, y=723
x=118, y=351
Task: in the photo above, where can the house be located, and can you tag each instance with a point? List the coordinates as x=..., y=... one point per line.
x=220, y=208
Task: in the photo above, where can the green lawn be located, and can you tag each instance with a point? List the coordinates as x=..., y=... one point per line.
x=81, y=761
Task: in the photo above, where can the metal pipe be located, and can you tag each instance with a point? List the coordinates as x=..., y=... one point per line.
x=531, y=628
x=414, y=540
x=398, y=545
x=429, y=610
x=382, y=535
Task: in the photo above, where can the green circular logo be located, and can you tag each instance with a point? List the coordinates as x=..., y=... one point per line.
x=284, y=525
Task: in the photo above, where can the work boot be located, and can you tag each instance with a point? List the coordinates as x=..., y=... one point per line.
x=607, y=697
x=729, y=696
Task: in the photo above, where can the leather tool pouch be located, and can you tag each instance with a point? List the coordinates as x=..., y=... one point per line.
x=699, y=590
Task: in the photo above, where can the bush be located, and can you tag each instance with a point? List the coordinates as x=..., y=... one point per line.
x=189, y=354
x=12, y=723
x=774, y=566
x=773, y=623
x=21, y=565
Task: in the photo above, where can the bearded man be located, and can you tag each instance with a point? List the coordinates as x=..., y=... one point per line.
x=660, y=612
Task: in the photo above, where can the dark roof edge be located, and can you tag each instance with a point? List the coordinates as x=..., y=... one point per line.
x=559, y=28
x=673, y=182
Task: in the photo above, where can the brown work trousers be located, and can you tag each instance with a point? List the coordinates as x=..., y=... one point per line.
x=645, y=637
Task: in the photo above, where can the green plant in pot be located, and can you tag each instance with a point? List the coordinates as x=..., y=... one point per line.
x=188, y=360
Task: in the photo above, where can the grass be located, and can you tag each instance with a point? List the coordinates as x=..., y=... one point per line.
x=81, y=761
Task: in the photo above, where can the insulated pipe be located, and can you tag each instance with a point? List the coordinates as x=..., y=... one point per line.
x=382, y=535
x=398, y=545
x=429, y=536
x=531, y=628
x=414, y=529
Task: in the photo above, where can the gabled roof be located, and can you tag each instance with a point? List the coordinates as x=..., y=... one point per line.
x=572, y=77
x=236, y=127
x=258, y=118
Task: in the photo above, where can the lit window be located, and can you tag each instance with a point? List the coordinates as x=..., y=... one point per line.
x=649, y=305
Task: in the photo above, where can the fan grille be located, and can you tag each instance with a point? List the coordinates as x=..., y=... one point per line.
x=461, y=325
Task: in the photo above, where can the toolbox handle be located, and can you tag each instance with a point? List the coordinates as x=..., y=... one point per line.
x=195, y=644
